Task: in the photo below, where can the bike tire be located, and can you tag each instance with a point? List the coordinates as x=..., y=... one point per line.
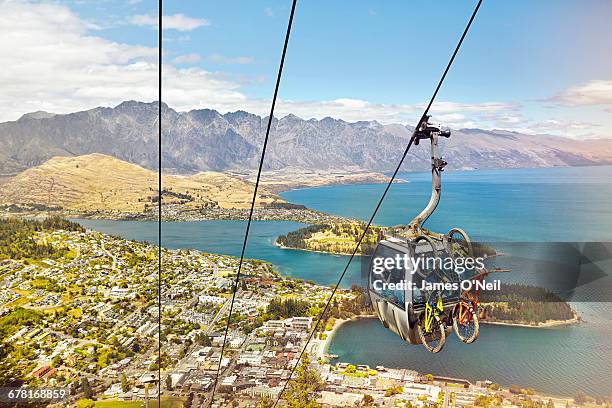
x=466, y=339
x=423, y=337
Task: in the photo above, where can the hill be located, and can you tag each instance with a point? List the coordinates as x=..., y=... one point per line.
x=204, y=139
x=98, y=183
x=338, y=238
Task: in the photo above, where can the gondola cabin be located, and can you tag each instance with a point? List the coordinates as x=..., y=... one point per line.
x=396, y=288
x=417, y=299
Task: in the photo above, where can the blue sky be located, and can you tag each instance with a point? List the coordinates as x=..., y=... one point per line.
x=542, y=67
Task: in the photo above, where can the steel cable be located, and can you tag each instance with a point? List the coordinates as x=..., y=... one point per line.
x=261, y=161
x=397, y=169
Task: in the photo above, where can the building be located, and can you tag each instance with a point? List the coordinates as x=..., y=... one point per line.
x=251, y=359
x=345, y=399
x=207, y=299
x=120, y=293
x=300, y=323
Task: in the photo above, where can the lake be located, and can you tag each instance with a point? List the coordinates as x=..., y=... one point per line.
x=539, y=205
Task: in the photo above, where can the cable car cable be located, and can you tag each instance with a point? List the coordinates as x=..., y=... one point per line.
x=412, y=139
x=159, y=207
x=261, y=161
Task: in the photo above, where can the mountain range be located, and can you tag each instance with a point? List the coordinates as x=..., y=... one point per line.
x=204, y=140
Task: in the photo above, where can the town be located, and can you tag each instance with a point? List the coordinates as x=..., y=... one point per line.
x=87, y=318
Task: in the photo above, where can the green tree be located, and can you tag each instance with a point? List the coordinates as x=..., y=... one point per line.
x=125, y=386
x=279, y=308
x=85, y=403
x=56, y=362
x=302, y=390
x=265, y=402
x=393, y=391
x=86, y=388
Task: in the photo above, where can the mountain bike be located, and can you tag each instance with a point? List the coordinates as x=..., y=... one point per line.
x=431, y=327
x=464, y=316
x=465, y=313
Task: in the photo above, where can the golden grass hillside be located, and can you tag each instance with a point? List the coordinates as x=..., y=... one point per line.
x=338, y=238
x=101, y=183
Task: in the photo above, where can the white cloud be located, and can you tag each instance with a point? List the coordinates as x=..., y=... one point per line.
x=558, y=126
x=144, y=20
x=182, y=22
x=179, y=22
x=186, y=59
x=51, y=61
x=594, y=92
x=455, y=114
x=516, y=121
x=222, y=59
x=349, y=110
x=485, y=107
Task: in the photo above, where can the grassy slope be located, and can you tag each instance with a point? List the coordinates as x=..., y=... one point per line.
x=97, y=182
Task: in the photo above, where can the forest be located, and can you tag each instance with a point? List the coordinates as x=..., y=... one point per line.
x=18, y=241
x=520, y=303
x=284, y=309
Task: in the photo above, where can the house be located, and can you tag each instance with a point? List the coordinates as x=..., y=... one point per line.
x=236, y=342
x=262, y=391
x=114, y=390
x=42, y=371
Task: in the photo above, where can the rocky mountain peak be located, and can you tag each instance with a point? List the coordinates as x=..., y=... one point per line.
x=204, y=139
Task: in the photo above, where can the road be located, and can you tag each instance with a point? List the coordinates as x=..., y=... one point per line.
x=225, y=306
x=114, y=265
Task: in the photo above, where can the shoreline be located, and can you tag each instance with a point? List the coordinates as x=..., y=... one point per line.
x=306, y=216
x=543, y=325
x=548, y=324
x=332, y=184
x=324, y=344
x=321, y=351
x=314, y=251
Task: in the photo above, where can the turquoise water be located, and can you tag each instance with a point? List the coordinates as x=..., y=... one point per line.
x=226, y=237
x=561, y=204
x=558, y=361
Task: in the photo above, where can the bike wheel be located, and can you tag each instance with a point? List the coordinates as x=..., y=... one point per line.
x=434, y=339
x=465, y=322
x=433, y=251
x=461, y=247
